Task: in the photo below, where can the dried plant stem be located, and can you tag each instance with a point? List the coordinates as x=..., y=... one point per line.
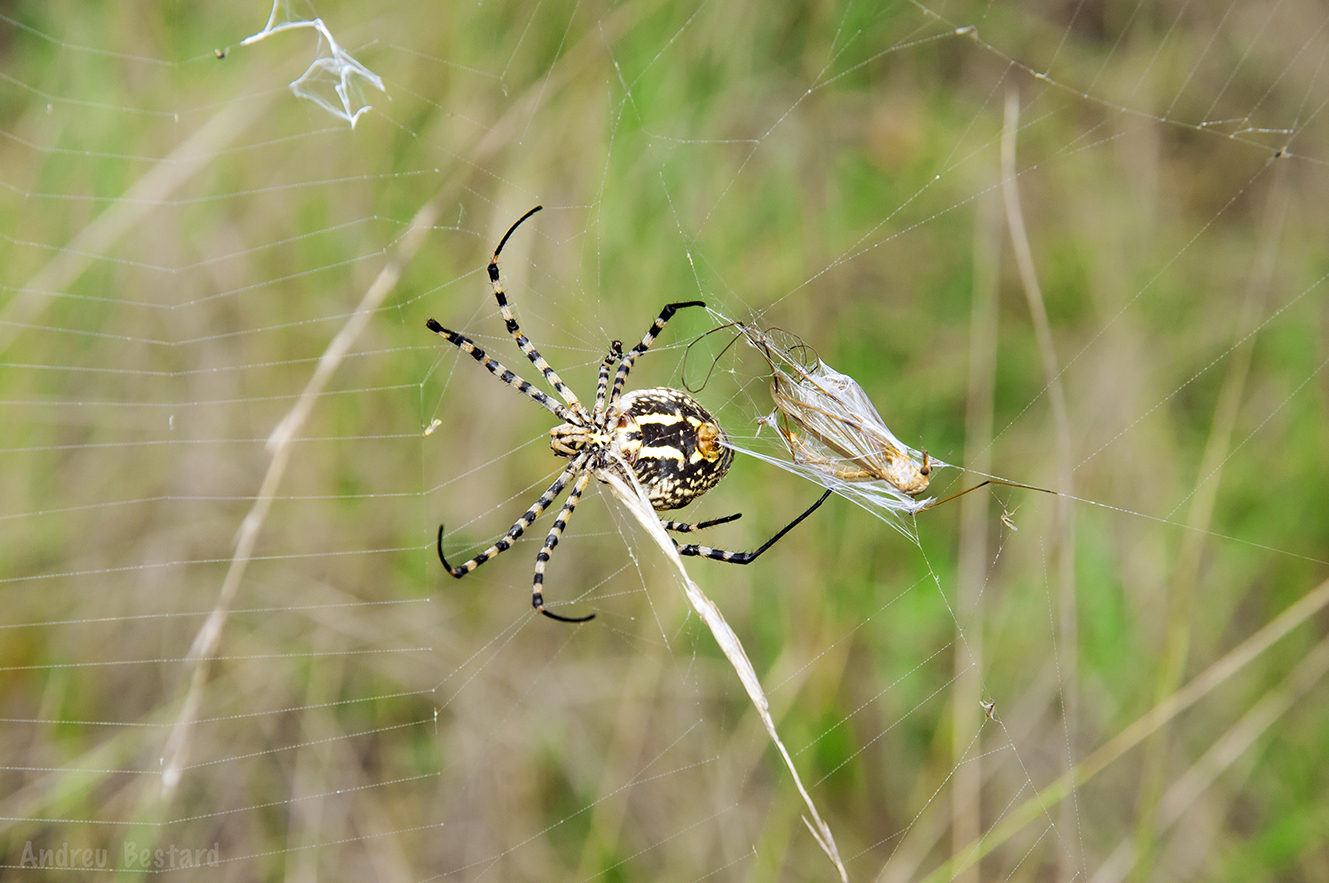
x=1181, y=588
x=634, y=499
x=279, y=446
x=966, y=794
x=1067, y=642
x=1114, y=749
x=278, y=443
x=144, y=196
x=1238, y=739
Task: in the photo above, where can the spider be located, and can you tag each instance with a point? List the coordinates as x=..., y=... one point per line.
x=661, y=437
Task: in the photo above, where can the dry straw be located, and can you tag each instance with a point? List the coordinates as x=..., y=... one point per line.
x=623, y=482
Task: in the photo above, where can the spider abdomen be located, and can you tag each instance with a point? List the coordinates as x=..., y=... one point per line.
x=677, y=449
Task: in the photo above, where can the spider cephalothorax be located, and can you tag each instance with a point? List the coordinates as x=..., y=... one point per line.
x=674, y=448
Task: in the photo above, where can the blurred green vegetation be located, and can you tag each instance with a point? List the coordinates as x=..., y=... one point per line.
x=828, y=169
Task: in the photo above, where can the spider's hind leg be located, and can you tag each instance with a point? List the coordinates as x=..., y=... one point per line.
x=683, y=527
x=749, y=557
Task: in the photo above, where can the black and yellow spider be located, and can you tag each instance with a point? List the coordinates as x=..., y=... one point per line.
x=662, y=437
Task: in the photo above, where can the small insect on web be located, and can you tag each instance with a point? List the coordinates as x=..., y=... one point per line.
x=833, y=434
x=1008, y=517
x=661, y=438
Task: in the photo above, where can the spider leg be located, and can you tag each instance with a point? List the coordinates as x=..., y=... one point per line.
x=523, y=342
x=467, y=346
x=615, y=353
x=688, y=528
x=541, y=559
x=505, y=542
x=749, y=557
x=621, y=377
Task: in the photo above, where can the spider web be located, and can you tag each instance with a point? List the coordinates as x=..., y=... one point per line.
x=1073, y=246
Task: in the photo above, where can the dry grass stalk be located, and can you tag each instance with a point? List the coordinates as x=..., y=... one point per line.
x=634, y=499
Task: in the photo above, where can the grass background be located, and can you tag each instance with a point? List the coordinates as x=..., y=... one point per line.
x=832, y=168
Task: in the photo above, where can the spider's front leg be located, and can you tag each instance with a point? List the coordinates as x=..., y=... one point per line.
x=505, y=542
x=523, y=342
x=466, y=345
x=555, y=532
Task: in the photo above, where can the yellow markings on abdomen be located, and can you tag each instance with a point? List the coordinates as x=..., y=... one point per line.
x=662, y=419
x=657, y=452
x=682, y=453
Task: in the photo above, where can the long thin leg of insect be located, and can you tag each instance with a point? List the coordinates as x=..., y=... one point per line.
x=615, y=353
x=467, y=346
x=542, y=558
x=621, y=377
x=682, y=527
x=802, y=452
x=510, y=320
x=505, y=542
x=868, y=454
x=749, y=557
x=995, y=481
